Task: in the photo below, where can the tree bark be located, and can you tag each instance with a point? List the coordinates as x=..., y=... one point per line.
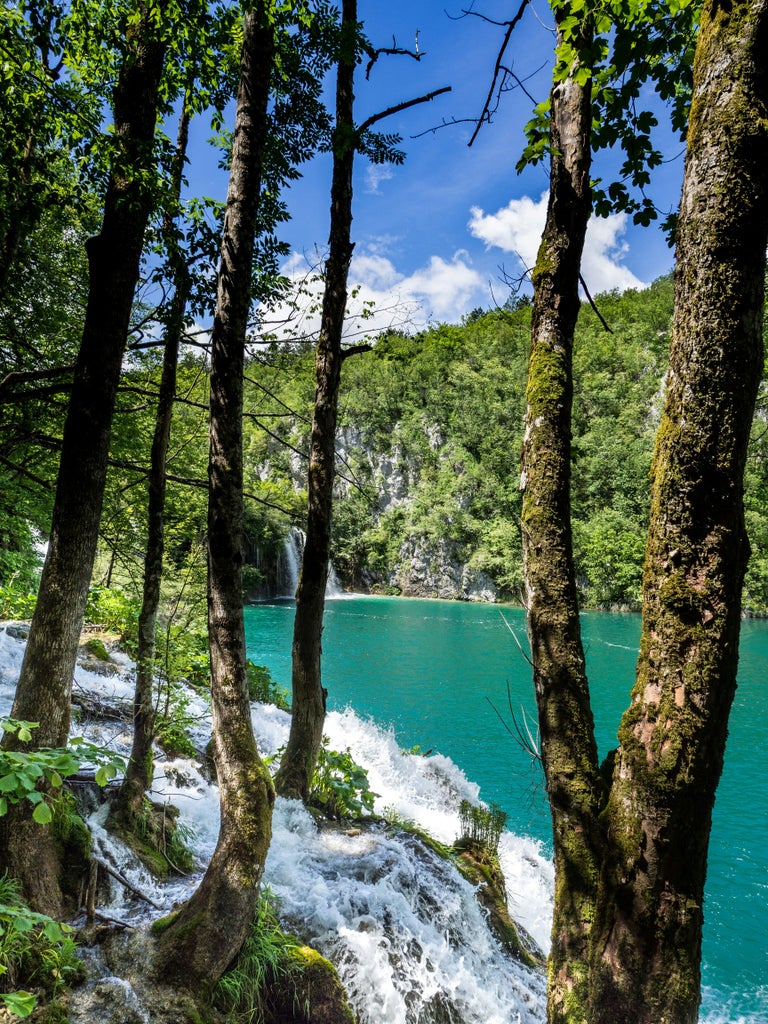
x=208, y=932
x=647, y=940
x=138, y=775
x=568, y=749
x=308, y=695
x=43, y=692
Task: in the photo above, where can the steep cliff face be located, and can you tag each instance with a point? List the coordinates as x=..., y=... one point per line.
x=416, y=536
x=438, y=568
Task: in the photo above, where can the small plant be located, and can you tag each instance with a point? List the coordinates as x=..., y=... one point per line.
x=16, y=602
x=33, y=948
x=23, y=772
x=263, y=688
x=264, y=959
x=173, y=723
x=160, y=841
x=340, y=786
x=482, y=825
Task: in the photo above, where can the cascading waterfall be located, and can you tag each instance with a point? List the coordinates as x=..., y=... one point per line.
x=289, y=567
x=402, y=926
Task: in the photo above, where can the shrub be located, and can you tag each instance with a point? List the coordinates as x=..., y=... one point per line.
x=34, y=949
x=263, y=688
x=115, y=612
x=16, y=601
x=340, y=786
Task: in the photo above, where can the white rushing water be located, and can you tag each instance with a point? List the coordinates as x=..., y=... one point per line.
x=402, y=926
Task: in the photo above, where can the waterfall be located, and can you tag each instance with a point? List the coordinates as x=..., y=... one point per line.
x=290, y=564
x=402, y=926
x=289, y=567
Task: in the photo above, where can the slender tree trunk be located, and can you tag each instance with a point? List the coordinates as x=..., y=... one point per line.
x=568, y=749
x=43, y=693
x=13, y=233
x=648, y=932
x=138, y=775
x=308, y=695
x=209, y=931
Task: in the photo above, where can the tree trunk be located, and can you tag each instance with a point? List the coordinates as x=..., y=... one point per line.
x=568, y=749
x=43, y=692
x=203, y=939
x=308, y=695
x=138, y=775
x=648, y=933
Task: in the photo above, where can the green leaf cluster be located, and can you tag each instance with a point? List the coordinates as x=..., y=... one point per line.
x=340, y=787
x=625, y=50
x=263, y=688
x=36, y=775
x=34, y=950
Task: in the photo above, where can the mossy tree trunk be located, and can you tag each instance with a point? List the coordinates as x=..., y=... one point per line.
x=568, y=749
x=308, y=695
x=138, y=775
x=630, y=857
x=647, y=943
x=44, y=688
x=208, y=932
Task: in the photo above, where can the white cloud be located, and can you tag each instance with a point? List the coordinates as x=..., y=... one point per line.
x=517, y=228
x=380, y=297
x=374, y=175
x=446, y=288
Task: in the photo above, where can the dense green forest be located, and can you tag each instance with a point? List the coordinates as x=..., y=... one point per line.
x=428, y=446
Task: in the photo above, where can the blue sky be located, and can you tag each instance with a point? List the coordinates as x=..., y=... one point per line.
x=430, y=236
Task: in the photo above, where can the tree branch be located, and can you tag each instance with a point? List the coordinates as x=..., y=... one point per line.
x=391, y=51
x=498, y=69
x=591, y=301
x=355, y=350
x=402, y=106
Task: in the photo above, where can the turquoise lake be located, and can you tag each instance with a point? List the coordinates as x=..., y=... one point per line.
x=438, y=672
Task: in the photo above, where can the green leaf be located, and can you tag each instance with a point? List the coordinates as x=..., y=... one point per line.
x=9, y=783
x=105, y=773
x=21, y=923
x=20, y=1003
x=53, y=932
x=42, y=814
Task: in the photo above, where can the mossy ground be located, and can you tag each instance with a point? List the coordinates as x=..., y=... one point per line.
x=155, y=838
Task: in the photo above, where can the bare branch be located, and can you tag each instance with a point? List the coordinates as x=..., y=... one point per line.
x=591, y=301
x=355, y=350
x=392, y=51
x=19, y=376
x=14, y=467
x=403, y=106
x=498, y=69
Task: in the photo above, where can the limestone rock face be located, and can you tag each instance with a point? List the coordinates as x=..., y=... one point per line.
x=435, y=568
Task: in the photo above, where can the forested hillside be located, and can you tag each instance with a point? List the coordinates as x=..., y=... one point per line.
x=428, y=499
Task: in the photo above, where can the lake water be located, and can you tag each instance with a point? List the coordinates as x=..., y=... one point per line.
x=439, y=673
